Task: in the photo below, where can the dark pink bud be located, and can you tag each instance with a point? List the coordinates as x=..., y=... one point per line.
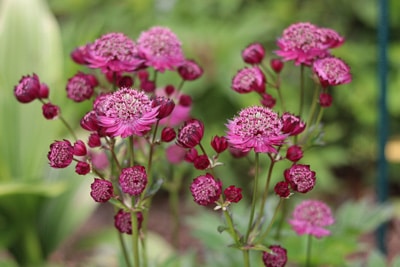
x=28, y=89
x=101, y=190
x=276, y=258
x=233, y=194
x=94, y=140
x=166, y=106
x=237, y=153
x=133, y=180
x=123, y=221
x=201, y=162
x=249, y=79
x=168, y=134
x=190, y=134
x=82, y=168
x=294, y=153
x=89, y=121
x=219, y=144
x=80, y=148
x=325, y=100
x=190, y=71
x=292, y=125
x=79, y=55
x=191, y=155
x=300, y=178
x=169, y=89
x=282, y=189
x=44, y=91
x=148, y=86
x=61, y=154
x=50, y=111
x=125, y=81
x=276, y=65
x=253, y=53
x=205, y=189
x=80, y=87
x=185, y=100
x=143, y=75
x=267, y=100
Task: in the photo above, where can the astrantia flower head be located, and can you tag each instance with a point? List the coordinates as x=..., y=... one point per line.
x=161, y=48
x=292, y=124
x=201, y=162
x=113, y=52
x=233, y=194
x=101, y=190
x=257, y=128
x=294, y=153
x=302, y=42
x=219, y=143
x=277, y=258
x=79, y=54
x=80, y=87
x=123, y=221
x=61, y=154
x=249, y=79
x=133, y=180
x=282, y=189
x=190, y=70
x=253, y=53
x=332, y=71
x=205, y=189
x=311, y=217
x=325, y=100
x=126, y=112
x=82, y=168
x=28, y=89
x=330, y=38
x=190, y=134
x=50, y=111
x=300, y=178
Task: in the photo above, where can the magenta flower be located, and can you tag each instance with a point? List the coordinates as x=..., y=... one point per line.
x=94, y=140
x=161, y=48
x=168, y=134
x=325, y=100
x=277, y=258
x=133, y=180
x=166, y=106
x=282, y=189
x=205, y=189
x=50, y=111
x=113, y=52
x=300, y=178
x=190, y=134
x=101, y=190
x=123, y=221
x=181, y=111
x=302, y=42
x=61, y=154
x=332, y=71
x=249, y=79
x=294, y=153
x=253, y=53
x=28, y=88
x=79, y=54
x=201, y=162
x=43, y=91
x=190, y=70
x=80, y=148
x=257, y=128
x=80, y=87
x=126, y=112
x=175, y=154
x=82, y=168
x=219, y=143
x=233, y=194
x=267, y=100
x=276, y=65
x=330, y=38
x=311, y=217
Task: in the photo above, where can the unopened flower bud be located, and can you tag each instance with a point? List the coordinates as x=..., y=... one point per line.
x=82, y=168
x=44, y=91
x=253, y=53
x=201, y=162
x=233, y=194
x=168, y=134
x=80, y=148
x=325, y=100
x=50, y=111
x=94, y=140
x=276, y=65
x=190, y=70
x=28, y=89
x=101, y=190
x=294, y=153
x=219, y=144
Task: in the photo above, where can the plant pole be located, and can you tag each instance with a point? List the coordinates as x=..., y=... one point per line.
x=382, y=179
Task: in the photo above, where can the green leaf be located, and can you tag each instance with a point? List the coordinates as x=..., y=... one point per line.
x=37, y=188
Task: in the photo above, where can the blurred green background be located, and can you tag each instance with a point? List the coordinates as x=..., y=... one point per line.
x=38, y=35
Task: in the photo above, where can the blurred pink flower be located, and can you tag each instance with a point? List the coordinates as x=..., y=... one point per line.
x=300, y=178
x=311, y=217
x=253, y=53
x=249, y=79
x=276, y=258
x=332, y=71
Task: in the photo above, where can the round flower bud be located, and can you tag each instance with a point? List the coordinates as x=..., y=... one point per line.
x=133, y=180
x=277, y=257
x=190, y=134
x=101, y=190
x=219, y=144
x=123, y=221
x=292, y=125
x=300, y=178
x=166, y=106
x=267, y=100
x=276, y=65
x=190, y=71
x=80, y=148
x=282, y=189
x=50, y=111
x=233, y=194
x=168, y=134
x=294, y=153
x=201, y=162
x=191, y=155
x=205, y=189
x=44, y=91
x=61, y=154
x=94, y=140
x=82, y=168
x=253, y=53
x=28, y=89
x=325, y=100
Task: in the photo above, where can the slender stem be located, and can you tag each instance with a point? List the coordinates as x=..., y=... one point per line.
x=284, y=209
x=151, y=153
x=301, y=90
x=246, y=258
x=266, y=189
x=131, y=151
x=144, y=252
x=253, y=202
x=68, y=126
x=124, y=249
x=231, y=227
x=313, y=106
x=174, y=205
x=135, y=239
x=278, y=88
x=179, y=89
x=111, y=143
x=266, y=232
x=308, y=255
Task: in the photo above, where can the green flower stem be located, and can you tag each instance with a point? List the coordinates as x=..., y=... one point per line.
x=179, y=88
x=151, y=153
x=135, y=240
x=266, y=232
x=266, y=189
x=313, y=106
x=302, y=89
x=144, y=251
x=284, y=209
x=174, y=206
x=231, y=227
x=111, y=143
x=254, y=200
x=33, y=255
x=131, y=151
x=308, y=252
x=68, y=126
x=246, y=258
x=124, y=249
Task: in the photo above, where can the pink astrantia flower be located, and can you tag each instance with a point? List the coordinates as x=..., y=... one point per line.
x=133, y=180
x=233, y=194
x=292, y=124
x=332, y=71
x=311, y=217
x=300, y=178
x=50, y=111
x=82, y=168
x=277, y=258
x=80, y=87
x=113, y=52
x=175, y=154
x=28, y=89
x=253, y=53
x=161, y=48
x=257, y=128
x=190, y=134
x=219, y=143
x=61, y=154
x=249, y=79
x=126, y=112
x=205, y=189
x=302, y=42
x=123, y=221
x=330, y=38
x=282, y=189
x=101, y=190
x=294, y=153
x=325, y=100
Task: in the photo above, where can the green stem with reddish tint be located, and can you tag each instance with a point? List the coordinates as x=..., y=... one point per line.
x=254, y=199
